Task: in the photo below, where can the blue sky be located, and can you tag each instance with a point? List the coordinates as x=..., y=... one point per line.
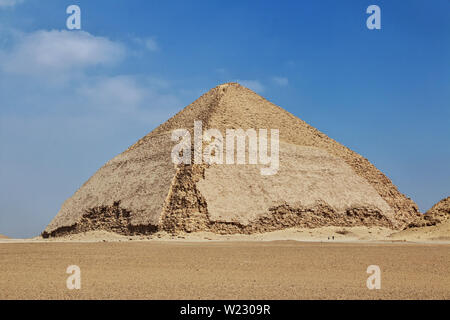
x=71, y=100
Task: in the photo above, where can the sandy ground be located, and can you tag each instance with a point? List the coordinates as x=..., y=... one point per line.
x=340, y=234
x=436, y=234
x=440, y=232
x=247, y=267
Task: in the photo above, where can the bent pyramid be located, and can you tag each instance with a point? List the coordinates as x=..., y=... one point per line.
x=319, y=182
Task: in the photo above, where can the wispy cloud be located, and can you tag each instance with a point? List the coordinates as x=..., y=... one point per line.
x=47, y=52
x=281, y=81
x=149, y=44
x=9, y=3
x=120, y=93
x=66, y=95
x=68, y=61
x=133, y=95
x=221, y=71
x=254, y=85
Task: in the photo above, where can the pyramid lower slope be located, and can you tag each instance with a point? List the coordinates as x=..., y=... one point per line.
x=320, y=182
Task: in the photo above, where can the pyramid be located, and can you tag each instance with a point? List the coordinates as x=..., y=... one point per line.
x=319, y=182
x=439, y=213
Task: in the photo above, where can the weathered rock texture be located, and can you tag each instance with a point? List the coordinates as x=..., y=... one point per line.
x=438, y=214
x=320, y=182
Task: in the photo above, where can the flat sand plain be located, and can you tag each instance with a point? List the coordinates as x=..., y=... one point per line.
x=171, y=269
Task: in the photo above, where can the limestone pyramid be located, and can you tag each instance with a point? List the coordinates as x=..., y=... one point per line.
x=319, y=182
x=439, y=213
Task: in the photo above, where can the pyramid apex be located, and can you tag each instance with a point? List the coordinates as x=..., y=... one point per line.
x=229, y=84
x=224, y=86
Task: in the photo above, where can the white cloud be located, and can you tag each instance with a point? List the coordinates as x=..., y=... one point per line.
x=254, y=85
x=52, y=67
x=120, y=93
x=148, y=43
x=77, y=123
x=48, y=52
x=9, y=3
x=131, y=94
x=281, y=81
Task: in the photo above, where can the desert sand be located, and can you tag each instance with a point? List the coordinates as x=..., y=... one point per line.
x=439, y=232
x=161, y=269
x=295, y=263
x=144, y=228
x=359, y=234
